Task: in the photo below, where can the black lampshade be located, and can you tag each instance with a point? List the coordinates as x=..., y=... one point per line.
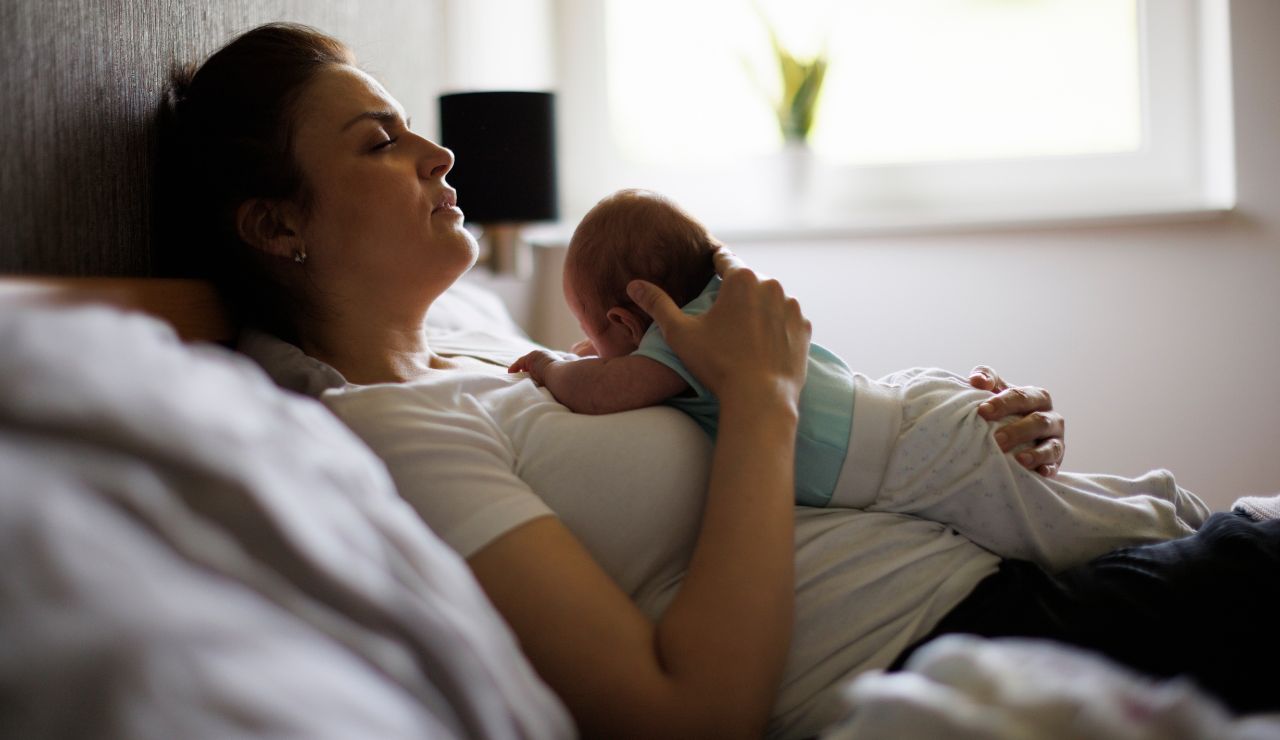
x=505, y=147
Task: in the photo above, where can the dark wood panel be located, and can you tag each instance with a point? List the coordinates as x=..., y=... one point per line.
x=80, y=83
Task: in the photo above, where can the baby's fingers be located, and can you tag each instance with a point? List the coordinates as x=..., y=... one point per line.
x=524, y=364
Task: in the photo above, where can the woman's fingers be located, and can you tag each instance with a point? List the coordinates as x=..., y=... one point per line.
x=1046, y=450
x=985, y=379
x=1036, y=428
x=1041, y=433
x=1015, y=401
x=1044, y=458
x=655, y=302
x=1038, y=435
x=726, y=261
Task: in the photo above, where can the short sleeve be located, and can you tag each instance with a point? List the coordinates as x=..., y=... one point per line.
x=447, y=459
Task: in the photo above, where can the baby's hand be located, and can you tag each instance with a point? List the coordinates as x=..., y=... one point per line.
x=535, y=363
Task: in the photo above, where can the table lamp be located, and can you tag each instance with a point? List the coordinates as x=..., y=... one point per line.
x=505, y=168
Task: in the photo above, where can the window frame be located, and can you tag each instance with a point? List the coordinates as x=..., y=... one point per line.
x=1184, y=167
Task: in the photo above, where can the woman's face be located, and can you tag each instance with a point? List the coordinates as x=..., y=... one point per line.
x=381, y=222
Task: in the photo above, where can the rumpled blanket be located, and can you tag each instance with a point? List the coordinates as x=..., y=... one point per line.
x=191, y=552
x=961, y=687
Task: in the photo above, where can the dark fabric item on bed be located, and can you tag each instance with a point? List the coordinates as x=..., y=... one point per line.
x=1204, y=606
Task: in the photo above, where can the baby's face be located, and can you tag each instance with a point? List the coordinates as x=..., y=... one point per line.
x=610, y=338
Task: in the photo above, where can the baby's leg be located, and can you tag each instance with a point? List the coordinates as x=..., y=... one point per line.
x=946, y=467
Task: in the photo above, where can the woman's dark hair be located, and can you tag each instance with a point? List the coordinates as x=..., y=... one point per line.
x=225, y=136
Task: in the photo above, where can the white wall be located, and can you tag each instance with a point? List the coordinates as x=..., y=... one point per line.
x=1159, y=342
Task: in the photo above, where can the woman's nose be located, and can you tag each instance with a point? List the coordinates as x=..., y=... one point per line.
x=436, y=161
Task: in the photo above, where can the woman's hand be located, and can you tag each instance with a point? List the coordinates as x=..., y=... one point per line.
x=1041, y=429
x=753, y=340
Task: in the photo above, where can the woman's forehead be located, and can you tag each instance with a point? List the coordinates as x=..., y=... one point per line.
x=340, y=93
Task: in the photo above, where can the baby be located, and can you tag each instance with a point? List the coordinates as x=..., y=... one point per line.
x=909, y=443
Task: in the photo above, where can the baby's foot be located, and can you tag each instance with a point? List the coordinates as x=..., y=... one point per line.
x=1258, y=508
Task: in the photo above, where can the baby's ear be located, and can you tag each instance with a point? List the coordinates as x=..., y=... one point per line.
x=630, y=321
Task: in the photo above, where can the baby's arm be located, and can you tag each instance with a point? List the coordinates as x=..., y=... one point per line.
x=592, y=385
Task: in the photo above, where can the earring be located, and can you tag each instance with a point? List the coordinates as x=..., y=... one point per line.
x=300, y=257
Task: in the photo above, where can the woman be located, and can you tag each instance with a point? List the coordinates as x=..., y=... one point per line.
x=715, y=608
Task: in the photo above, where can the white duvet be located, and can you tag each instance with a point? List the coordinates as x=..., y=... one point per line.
x=190, y=552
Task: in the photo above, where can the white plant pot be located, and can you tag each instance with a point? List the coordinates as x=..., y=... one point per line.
x=796, y=181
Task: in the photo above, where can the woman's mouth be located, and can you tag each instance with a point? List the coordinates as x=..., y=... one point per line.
x=447, y=201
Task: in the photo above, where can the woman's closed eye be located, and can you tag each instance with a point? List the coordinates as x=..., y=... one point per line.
x=391, y=130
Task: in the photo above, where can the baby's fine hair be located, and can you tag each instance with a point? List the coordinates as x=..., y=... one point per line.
x=639, y=234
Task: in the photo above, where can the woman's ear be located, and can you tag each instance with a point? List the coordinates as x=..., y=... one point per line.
x=630, y=323
x=270, y=226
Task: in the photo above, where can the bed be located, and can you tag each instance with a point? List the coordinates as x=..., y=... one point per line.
x=193, y=551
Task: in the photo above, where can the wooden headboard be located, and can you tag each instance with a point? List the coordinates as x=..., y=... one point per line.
x=192, y=307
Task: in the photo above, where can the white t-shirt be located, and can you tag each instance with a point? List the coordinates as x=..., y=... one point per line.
x=477, y=453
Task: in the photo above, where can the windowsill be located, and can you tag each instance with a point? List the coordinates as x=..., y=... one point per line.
x=955, y=223
x=830, y=229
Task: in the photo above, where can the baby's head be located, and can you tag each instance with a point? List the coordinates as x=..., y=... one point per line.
x=629, y=235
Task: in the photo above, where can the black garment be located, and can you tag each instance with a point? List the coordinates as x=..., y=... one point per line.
x=1205, y=606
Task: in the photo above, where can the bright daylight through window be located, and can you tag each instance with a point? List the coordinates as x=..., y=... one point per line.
x=874, y=111
x=906, y=81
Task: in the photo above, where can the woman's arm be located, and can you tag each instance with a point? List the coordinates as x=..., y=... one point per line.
x=711, y=665
x=1041, y=429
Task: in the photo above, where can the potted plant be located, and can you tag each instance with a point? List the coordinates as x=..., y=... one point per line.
x=801, y=87
x=795, y=104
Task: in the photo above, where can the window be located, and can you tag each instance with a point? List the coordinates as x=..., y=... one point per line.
x=931, y=111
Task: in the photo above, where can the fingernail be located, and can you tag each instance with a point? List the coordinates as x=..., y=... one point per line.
x=1001, y=439
x=633, y=290
x=1024, y=458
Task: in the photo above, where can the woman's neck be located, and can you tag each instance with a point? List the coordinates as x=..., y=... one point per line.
x=367, y=350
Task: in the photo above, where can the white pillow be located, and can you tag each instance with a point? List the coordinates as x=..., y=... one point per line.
x=190, y=552
x=466, y=306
